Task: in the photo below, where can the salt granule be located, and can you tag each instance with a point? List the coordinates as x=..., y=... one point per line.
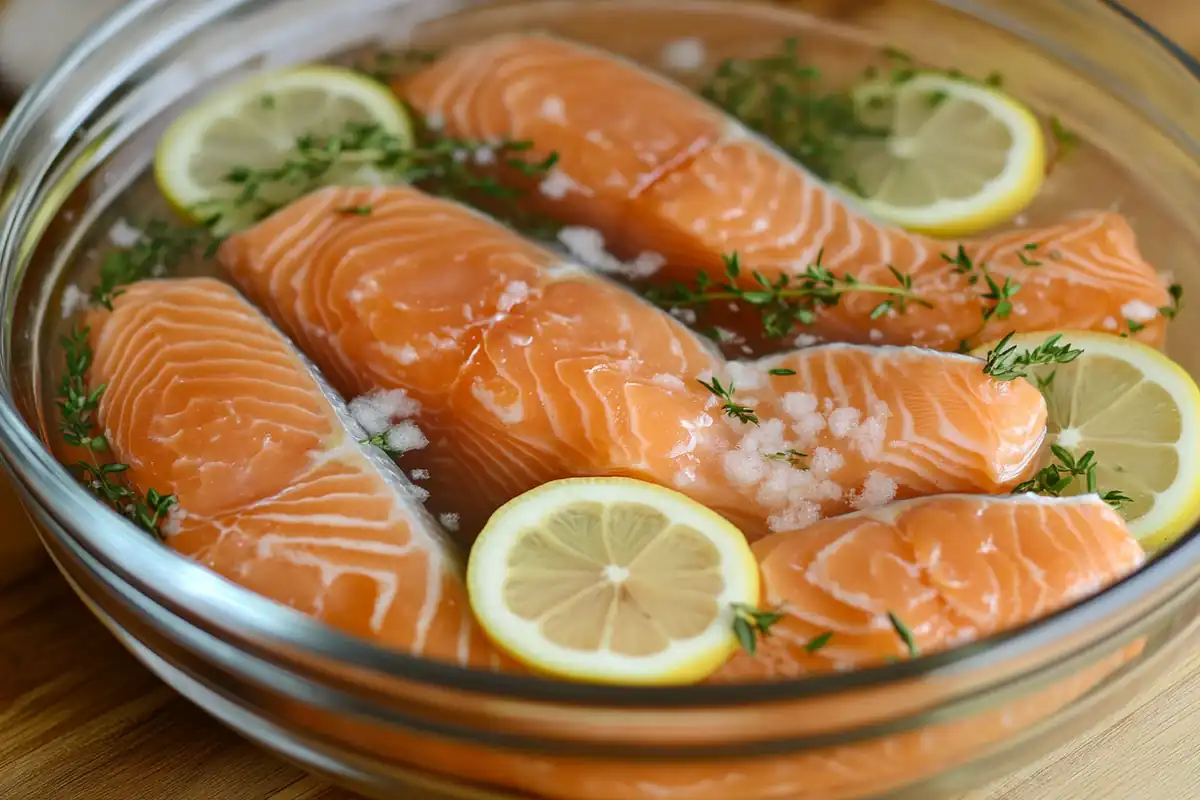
x=122, y=234
x=587, y=245
x=404, y=437
x=449, y=520
x=878, y=490
x=514, y=293
x=376, y=411
x=74, y=299
x=557, y=185
x=686, y=54
x=1139, y=311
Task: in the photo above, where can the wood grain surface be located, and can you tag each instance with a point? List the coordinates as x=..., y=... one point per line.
x=81, y=720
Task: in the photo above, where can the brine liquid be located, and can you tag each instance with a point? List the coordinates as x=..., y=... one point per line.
x=687, y=40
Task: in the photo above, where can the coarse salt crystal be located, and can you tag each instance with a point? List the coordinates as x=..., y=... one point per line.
x=746, y=376
x=407, y=355
x=843, y=420
x=405, y=437
x=419, y=474
x=869, y=435
x=825, y=461
x=514, y=293
x=876, y=335
x=806, y=340
x=878, y=490
x=587, y=245
x=744, y=467
x=795, y=518
x=370, y=418
x=801, y=407
x=122, y=234
x=484, y=156
x=686, y=54
x=376, y=411
x=1109, y=323
x=174, y=519
x=449, y=520
x=74, y=300
x=435, y=121
x=554, y=110
x=1139, y=311
x=558, y=184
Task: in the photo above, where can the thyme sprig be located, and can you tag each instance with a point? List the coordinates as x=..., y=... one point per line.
x=998, y=297
x=729, y=406
x=1171, y=311
x=160, y=247
x=789, y=299
x=1055, y=478
x=385, y=66
x=818, y=642
x=780, y=97
x=78, y=406
x=750, y=623
x=1066, y=142
x=452, y=167
x=791, y=457
x=1007, y=362
x=906, y=636
x=818, y=124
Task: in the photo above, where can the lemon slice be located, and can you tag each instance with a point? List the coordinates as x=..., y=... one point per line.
x=255, y=125
x=612, y=580
x=960, y=158
x=1140, y=413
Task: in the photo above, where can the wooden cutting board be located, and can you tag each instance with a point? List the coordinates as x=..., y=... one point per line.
x=81, y=720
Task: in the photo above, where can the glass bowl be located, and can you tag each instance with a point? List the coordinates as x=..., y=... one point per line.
x=390, y=725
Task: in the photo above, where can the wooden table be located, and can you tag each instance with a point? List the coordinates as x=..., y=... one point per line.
x=81, y=720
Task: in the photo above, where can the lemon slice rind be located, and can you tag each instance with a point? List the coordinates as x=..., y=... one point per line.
x=268, y=112
x=684, y=661
x=999, y=196
x=1174, y=509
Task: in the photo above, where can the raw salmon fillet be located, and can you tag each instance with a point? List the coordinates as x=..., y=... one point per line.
x=953, y=569
x=529, y=370
x=206, y=400
x=661, y=173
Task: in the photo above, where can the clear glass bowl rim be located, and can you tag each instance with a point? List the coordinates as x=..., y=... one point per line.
x=160, y=573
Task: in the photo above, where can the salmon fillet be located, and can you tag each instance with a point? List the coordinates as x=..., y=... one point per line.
x=529, y=369
x=657, y=170
x=206, y=400
x=953, y=569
